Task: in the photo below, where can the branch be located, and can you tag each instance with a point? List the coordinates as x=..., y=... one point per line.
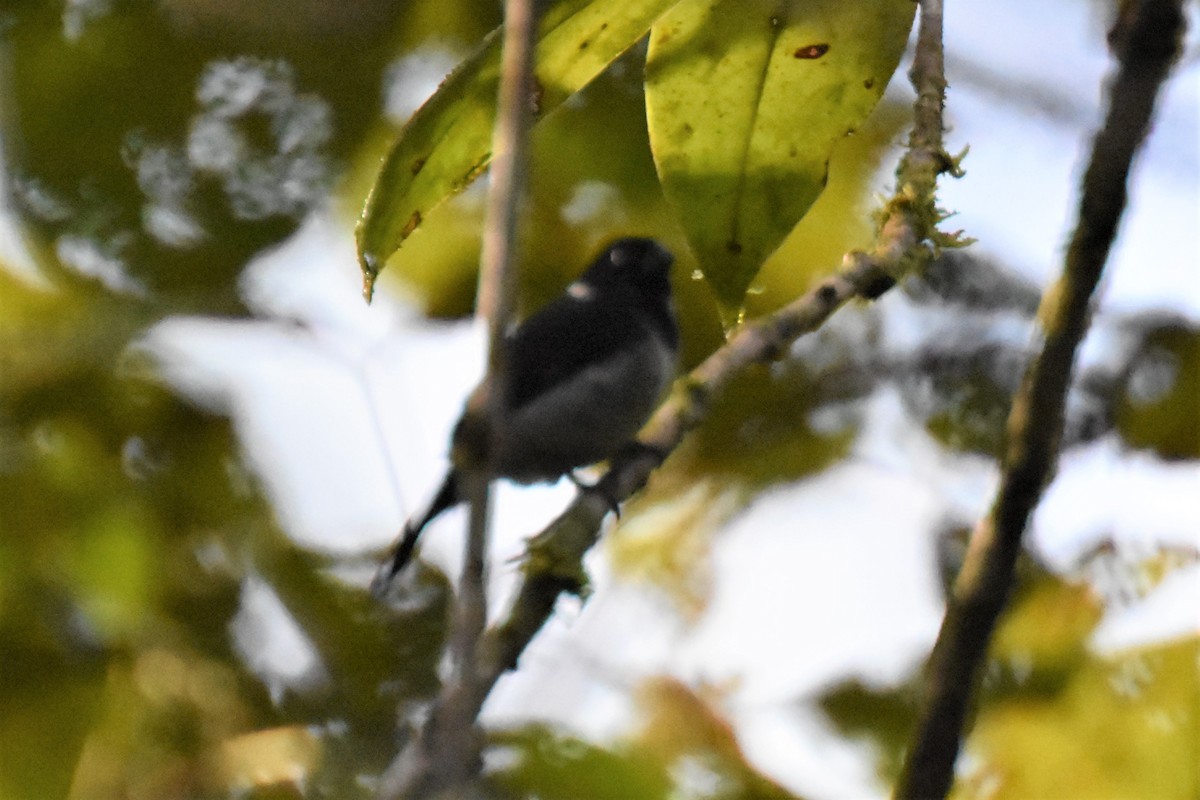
x=1146, y=41
x=907, y=239
x=445, y=754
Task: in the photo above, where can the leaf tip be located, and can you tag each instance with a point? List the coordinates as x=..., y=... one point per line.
x=370, y=271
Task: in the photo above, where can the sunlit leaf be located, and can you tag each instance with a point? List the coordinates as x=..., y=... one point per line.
x=447, y=143
x=279, y=756
x=1123, y=727
x=745, y=100
x=1044, y=635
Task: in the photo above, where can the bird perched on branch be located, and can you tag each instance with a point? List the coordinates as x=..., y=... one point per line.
x=584, y=373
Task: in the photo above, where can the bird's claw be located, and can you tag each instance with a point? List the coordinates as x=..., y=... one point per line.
x=598, y=489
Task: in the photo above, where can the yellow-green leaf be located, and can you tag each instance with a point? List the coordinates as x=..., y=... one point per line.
x=447, y=143
x=745, y=100
x=1124, y=726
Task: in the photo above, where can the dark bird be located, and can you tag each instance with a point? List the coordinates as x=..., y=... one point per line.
x=584, y=374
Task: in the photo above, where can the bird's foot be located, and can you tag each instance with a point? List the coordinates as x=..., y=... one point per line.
x=636, y=449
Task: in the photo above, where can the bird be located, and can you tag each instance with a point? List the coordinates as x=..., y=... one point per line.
x=584, y=373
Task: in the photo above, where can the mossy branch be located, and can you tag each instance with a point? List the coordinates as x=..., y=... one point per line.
x=906, y=240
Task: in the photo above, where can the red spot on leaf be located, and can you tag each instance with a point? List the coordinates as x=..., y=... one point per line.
x=811, y=51
x=413, y=223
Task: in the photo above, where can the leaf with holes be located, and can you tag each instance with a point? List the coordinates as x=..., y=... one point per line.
x=745, y=101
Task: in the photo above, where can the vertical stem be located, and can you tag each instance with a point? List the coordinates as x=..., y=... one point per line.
x=444, y=757
x=1147, y=40
x=495, y=305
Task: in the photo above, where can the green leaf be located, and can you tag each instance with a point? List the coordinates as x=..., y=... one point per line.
x=745, y=100
x=448, y=142
x=1126, y=725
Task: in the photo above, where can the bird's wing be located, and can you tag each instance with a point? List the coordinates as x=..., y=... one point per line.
x=563, y=338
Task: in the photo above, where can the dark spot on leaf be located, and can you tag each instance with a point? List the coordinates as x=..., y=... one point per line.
x=811, y=51
x=584, y=44
x=417, y=165
x=413, y=223
x=734, y=246
x=869, y=83
x=603, y=26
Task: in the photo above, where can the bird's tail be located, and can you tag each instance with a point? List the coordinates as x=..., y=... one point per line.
x=402, y=550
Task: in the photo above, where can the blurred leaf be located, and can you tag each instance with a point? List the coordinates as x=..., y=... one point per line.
x=551, y=766
x=665, y=539
x=48, y=703
x=1159, y=408
x=447, y=143
x=969, y=398
x=745, y=103
x=277, y=757
x=686, y=731
x=1125, y=726
x=1044, y=634
x=756, y=435
x=116, y=566
x=684, y=749
x=759, y=430
x=377, y=657
x=883, y=716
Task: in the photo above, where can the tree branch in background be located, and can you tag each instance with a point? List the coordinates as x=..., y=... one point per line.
x=445, y=753
x=1146, y=41
x=907, y=239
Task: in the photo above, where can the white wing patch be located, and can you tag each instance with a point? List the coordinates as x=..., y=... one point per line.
x=580, y=291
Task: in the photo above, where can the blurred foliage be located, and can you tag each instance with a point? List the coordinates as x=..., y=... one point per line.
x=1054, y=717
x=1124, y=726
x=758, y=434
x=1159, y=405
x=685, y=748
x=151, y=148
x=211, y=130
x=130, y=530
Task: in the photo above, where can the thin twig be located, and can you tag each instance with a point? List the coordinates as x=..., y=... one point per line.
x=1146, y=41
x=445, y=753
x=907, y=240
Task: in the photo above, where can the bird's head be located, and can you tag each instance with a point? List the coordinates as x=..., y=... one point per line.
x=640, y=263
